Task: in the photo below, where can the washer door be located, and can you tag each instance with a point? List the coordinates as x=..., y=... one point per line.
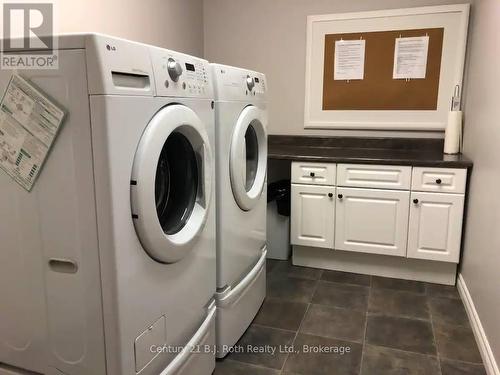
x=171, y=183
x=248, y=158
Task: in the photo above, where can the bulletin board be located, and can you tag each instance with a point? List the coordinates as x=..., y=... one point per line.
x=391, y=94
x=379, y=100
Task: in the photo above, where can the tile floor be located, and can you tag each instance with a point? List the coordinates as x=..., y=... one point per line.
x=390, y=326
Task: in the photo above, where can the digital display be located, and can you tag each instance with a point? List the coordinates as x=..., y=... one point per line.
x=256, y=80
x=190, y=67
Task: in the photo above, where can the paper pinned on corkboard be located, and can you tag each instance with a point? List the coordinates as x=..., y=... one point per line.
x=349, y=59
x=410, y=57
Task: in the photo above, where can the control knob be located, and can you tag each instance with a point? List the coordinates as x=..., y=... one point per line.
x=250, y=83
x=174, y=69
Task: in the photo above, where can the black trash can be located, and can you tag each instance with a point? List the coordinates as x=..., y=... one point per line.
x=279, y=191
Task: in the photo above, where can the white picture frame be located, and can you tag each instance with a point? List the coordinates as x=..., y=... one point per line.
x=453, y=18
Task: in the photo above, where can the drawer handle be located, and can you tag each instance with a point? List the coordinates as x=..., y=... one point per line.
x=438, y=181
x=340, y=196
x=330, y=195
x=415, y=201
x=311, y=174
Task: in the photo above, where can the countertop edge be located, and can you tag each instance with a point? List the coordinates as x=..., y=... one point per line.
x=373, y=160
x=425, y=152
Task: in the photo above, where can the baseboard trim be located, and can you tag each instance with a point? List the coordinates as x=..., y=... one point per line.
x=482, y=340
x=375, y=264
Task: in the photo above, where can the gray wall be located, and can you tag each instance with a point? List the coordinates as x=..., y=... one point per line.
x=481, y=259
x=173, y=24
x=270, y=36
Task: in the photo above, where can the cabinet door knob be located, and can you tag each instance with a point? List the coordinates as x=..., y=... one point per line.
x=438, y=181
x=415, y=201
x=330, y=195
x=311, y=174
x=340, y=196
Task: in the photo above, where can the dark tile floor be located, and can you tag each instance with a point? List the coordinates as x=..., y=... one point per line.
x=370, y=325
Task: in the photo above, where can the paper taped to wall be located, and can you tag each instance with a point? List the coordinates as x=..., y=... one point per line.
x=349, y=59
x=410, y=57
x=29, y=123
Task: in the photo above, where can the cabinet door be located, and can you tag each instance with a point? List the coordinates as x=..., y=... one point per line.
x=312, y=215
x=372, y=221
x=435, y=226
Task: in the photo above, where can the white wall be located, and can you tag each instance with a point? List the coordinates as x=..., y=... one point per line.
x=270, y=36
x=481, y=258
x=173, y=24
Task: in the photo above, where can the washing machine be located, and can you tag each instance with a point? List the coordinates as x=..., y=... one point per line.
x=241, y=155
x=108, y=265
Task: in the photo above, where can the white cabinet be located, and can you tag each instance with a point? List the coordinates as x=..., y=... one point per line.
x=435, y=228
x=403, y=211
x=312, y=215
x=372, y=221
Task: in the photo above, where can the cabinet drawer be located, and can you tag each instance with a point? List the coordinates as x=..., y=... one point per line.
x=444, y=180
x=313, y=173
x=374, y=176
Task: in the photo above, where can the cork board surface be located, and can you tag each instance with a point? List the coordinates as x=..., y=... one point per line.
x=378, y=91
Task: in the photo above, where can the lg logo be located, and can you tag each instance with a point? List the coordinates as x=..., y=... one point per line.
x=110, y=48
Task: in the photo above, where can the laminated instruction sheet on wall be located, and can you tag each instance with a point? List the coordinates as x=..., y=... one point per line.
x=29, y=124
x=410, y=57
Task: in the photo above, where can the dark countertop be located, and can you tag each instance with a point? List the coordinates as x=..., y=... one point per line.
x=400, y=151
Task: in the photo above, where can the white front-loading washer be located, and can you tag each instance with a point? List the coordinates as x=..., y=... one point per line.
x=108, y=265
x=241, y=154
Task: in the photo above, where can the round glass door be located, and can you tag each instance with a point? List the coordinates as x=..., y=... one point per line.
x=251, y=157
x=171, y=183
x=248, y=159
x=176, y=183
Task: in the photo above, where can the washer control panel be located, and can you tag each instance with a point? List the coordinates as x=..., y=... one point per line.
x=181, y=75
x=238, y=84
x=260, y=85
